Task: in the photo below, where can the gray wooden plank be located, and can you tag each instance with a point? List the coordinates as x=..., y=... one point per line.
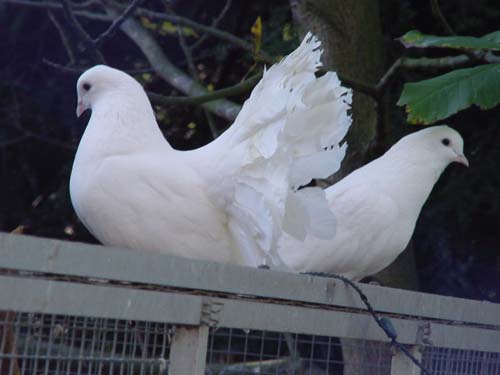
x=60, y=257
x=66, y=298
x=401, y=364
x=188, y=354
x=58, y=297
x=284, y=318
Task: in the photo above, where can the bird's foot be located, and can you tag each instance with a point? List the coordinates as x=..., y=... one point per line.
x=371, y=280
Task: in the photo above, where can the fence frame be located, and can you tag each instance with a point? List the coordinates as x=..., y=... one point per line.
x=60, y=277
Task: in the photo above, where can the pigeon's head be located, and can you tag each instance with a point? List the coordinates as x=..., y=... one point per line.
x=440, y=145
x=101, y=81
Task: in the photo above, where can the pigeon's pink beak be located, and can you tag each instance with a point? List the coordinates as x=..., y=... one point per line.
x=80, y=108
x=462, y=160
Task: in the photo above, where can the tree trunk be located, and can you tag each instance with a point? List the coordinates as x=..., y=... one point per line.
x=353, y=47
x=351, y=36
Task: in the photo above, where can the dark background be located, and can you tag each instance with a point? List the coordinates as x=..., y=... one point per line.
x=457, y=237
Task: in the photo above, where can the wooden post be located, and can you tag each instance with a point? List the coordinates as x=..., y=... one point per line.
x=188, y=353
x=402, y=365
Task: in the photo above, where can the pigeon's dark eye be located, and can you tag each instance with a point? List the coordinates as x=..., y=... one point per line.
x=445, y=141
x=86, y=86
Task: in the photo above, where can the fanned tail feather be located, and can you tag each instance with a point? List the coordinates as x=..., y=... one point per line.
x=287, y=133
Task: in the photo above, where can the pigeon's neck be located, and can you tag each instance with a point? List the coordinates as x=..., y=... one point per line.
x=411, y=179
x=123, y=124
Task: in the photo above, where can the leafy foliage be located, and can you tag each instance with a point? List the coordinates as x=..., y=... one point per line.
x=440, y=97
x=415, y=38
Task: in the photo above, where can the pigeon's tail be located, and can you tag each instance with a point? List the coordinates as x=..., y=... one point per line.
x=287, y=133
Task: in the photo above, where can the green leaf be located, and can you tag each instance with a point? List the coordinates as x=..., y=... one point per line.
x=440, y=97
x=415, y=38
x=493, y=37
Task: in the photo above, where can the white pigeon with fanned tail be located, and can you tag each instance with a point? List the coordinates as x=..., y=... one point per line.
x=377, y=206
x=228, y=201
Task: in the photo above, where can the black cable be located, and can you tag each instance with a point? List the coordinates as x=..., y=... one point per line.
x=384, y=323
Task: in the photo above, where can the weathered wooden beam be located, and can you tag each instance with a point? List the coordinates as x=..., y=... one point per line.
x=76, y=259
x=188, y=353
x=402, y=365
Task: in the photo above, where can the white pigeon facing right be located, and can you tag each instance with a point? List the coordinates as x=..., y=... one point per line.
x=376, y=207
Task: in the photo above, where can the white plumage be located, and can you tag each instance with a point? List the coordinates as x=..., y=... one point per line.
x=228, y=201
x=376, y=207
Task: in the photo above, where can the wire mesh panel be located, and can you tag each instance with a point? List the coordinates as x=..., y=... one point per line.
x=54, y=344
x=445, y=361
x=239, y=352
x=57, y=344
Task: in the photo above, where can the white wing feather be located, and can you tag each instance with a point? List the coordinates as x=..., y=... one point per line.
x=287, y=133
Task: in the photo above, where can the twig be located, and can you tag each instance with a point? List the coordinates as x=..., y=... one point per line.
x=88, y=42
x=51, y=141
x=211, y=124
x=187, y=53
x=436, y=11
x=80, y=70
x=227, y=92
x=117, y=23
x=68, y=13
x=384, y=323
x=64, y=38
x=215, y=24
x=382, y=83
x=65, y=69
x=377, y=91
x=13, y=141
x=490, y=57
x=85, y=4
x=170, y=73
x=217, y=33
x=223, y=35
x=222, y=13
x=194, y=74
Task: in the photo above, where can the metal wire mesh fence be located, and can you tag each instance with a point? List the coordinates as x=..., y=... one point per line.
x=56, y=344
x=444, y=361
x=77, y=309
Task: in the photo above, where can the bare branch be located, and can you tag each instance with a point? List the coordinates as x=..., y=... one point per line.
x=117, y=23
x=436, y=11
x=65, y=69
x=178, y=20
x=215, y=24
x=13, y=141
x=170, y=73
x=56, y=6
x=27, y=135
x=192, y=69
x=223, y=35
x=227, y=92
x=33, y=4
x=491, y=58
x=85, y=4
x=80, y=31
x=51, y=141
x=80, y=70
x=64, y=38
x=222, y=13
x=450, y=62
x=187, y=53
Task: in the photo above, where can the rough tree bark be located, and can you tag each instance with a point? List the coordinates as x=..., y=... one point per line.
x=353, y=46
x=352, y=39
